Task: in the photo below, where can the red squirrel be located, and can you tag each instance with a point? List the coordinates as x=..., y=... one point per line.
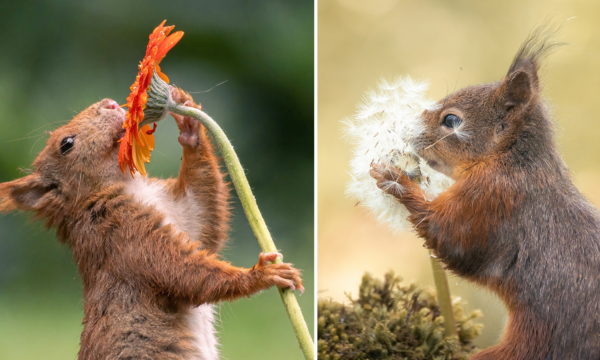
x=147, y=249
x=513, y=221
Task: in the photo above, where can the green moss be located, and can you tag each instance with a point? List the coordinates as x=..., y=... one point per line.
x=392, y=321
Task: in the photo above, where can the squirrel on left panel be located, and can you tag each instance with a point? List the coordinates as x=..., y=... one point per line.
x=147, y=249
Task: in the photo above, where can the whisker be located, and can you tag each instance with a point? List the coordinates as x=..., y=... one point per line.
x=25, y=138
x=90, y=138
x=45, y=118
x=78, y=187
x=72, y=161
x=205, y=91
x=442, y=138
x=52, y=123
x=32, y=146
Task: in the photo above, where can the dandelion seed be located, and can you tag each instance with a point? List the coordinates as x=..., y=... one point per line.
x=394, y=108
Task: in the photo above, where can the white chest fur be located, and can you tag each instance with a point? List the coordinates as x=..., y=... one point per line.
x=184, y=213
x=201, y=321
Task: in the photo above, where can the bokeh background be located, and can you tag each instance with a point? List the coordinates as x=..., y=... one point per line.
x=58, y=57
x=360, y=42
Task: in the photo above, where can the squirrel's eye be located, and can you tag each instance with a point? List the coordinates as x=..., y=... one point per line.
x=452, y=121
x=66, y=145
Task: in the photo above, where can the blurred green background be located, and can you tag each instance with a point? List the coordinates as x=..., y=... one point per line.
x=360, y=42
x=58, y=57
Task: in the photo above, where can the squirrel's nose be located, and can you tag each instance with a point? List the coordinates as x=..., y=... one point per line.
x=109, y=104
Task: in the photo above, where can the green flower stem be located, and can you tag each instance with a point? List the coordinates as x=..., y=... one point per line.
x=254, y=217
x=443, y=294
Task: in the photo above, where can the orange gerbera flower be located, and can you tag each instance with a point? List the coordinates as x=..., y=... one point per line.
x=137, y=144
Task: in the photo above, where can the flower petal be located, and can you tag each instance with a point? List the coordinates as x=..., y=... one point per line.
x=137, y=144
x=167, y=45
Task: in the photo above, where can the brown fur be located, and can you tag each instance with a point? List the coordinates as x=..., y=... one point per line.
x=141, y=278
x=513, y=221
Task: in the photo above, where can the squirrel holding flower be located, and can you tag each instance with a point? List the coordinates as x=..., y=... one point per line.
x=512, y=222
x=147, y=249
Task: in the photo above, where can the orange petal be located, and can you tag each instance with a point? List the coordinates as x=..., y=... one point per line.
x=148, y=138
x=161, y=74
x=137, y=163
x=136, y=146
x=168, y=44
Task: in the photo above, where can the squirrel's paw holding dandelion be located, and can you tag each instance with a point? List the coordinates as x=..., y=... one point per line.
x=391, y=180
x=283, y=275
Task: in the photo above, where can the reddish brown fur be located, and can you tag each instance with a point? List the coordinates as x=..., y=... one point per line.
x=207, y=178
x=513, y=221
x=141, y=277
x=469, y=220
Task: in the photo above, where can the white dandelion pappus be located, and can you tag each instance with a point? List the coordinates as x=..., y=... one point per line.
x=382, y=131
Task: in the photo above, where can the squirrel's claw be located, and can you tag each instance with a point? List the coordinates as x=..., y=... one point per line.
x=263, y=258
x=282, y=274
x=389, y=179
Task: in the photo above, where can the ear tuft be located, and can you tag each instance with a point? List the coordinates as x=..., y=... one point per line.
x=539, y=44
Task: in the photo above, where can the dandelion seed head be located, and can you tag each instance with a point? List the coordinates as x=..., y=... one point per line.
x=382, y=131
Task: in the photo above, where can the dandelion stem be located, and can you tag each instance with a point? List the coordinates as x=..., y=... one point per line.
x=443, y=294
x=253, y=214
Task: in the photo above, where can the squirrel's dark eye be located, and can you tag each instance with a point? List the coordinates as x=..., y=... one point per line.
x=66, y=145
x=452, y=121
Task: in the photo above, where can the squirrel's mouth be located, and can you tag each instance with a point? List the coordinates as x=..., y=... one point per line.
x=121, y=134
x=433, y=164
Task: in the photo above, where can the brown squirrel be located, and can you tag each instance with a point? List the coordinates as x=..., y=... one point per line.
x=513, y=221
x=147, y=249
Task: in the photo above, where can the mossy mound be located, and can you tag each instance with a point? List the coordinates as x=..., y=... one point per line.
x=392, y=321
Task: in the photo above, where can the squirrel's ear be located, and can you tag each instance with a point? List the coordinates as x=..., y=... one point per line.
x=517, y=95
x=518, y=89
x=22, y=194
x=517, y=92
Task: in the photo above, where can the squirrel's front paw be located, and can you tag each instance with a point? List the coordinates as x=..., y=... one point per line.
x=189, y=127
x=189, y=131
x=391, y=180
x=283, y=275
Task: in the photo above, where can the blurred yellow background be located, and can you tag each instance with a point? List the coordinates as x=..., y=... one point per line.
x=360, y=42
